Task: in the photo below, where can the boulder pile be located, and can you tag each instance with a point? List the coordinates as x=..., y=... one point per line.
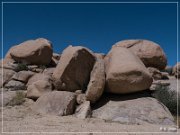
x=114, y=87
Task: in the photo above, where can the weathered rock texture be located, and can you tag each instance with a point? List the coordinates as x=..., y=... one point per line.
x=73, y=70
x=149, y=52
x=37, y=51
x=125, y=73
x=55, y=103
x=144, y=110
x=97, y=81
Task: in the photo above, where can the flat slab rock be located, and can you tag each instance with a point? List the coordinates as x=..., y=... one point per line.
x=55, y=103
x=139, y=111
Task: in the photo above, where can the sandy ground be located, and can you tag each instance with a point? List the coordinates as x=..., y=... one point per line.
x=21, y=119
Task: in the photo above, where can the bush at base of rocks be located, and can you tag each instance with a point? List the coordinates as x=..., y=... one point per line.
x=18, y=99
x=167, y=97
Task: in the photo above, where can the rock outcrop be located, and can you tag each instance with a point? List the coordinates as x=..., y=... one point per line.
x=116, y=87
x=149, y=52
x=73, y=70
x=125, y=73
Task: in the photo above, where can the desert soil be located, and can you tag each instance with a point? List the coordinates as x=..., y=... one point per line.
x=22, y=119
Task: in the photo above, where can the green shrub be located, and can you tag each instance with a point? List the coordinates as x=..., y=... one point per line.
x=167, y=97
x=18, y=99
x=22, y=66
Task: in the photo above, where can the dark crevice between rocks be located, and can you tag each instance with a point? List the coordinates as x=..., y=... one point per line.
x=106, y=97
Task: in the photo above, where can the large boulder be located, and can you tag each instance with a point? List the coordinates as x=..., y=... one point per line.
x=38, y=88
x=6, y=76
x=149, y=52
x=128, y=110
x=73, y=70
x=176, y=70
x=22, y=76
x=55, y=103
x=97, y=81
x=125, y=73
x=37, y=51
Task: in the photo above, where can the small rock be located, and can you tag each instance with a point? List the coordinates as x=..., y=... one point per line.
x=81, y=98
x=155, y=73
x=49, y=71
x=77, y=92
x=84, y=110
x=15, y=85
x=23, y=76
